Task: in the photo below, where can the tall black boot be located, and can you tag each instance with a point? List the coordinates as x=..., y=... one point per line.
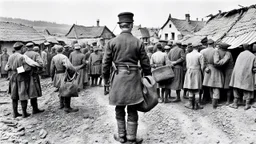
x=177, y=99
x=132, y=133
x=189, y=105
x=34, y=105
x=24, y=105
x=214, y=103
x=67, y=107
x=61, y=102
x=15, y=108
x=247, y=104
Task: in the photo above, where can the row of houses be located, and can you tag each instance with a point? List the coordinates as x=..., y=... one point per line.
x=233, y=27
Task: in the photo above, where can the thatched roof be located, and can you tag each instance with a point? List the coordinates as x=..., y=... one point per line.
x=81, y=32
x=185, y=27
x=16, y=32
x=234, y=27
x=140, y=32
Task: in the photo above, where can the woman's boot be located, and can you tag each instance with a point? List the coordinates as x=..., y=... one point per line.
x=67, y=108
x=234, y=104
x=247, y=105
x=189, y=105
x=15, y=108
x=34, y=105
x=24, y=105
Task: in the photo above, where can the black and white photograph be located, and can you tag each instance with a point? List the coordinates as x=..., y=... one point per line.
x=127, y=72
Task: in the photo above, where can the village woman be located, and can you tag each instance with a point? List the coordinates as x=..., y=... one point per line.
x=95, y=63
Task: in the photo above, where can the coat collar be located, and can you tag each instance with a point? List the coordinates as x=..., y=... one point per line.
x=126, y=32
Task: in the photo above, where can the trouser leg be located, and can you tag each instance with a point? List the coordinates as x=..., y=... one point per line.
x=61, y=102
x=197, y=100
x=191, y=99
x=34, y=105
x=67, y=107
x=177, y=99
x=121, y=123
x=236, y=94
x=15, y=108
x=24, y=104
x=247, y=96
x=229, y=93
x=132, y=124
x=215, y=96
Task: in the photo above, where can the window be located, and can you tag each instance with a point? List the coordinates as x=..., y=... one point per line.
x=170, y=25
x=173, y=36
x=166, y=36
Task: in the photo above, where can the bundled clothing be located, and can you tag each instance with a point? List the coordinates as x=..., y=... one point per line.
x=159, y=59
x=78, y=60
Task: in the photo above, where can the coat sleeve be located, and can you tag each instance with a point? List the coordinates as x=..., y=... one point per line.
x=39, y=60
x=107, y=62
x=144, y=61
x=220, y=62
x=52, y=68
x=202, y=62
x=254, y=65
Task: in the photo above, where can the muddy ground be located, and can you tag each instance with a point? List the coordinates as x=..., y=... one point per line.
x=95, y=122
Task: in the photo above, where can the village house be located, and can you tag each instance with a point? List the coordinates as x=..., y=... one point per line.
x=153, y=32
x=89, y=34
x=12, y=32
x=141, y=33
x=234, y=27
x=176, y=29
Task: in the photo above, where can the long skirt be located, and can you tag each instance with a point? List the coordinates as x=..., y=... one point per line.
x=3, y=71
x=95, y=69
x=177, y=82
x=35, y=86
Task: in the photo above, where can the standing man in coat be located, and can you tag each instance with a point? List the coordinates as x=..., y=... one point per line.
x=77, y=58
x=3, y=60
x=213, y=77
x=44, y=55
x=59, y=65
x=223, y=60
x=242, y=79
x=194, y=78
x=124, y=52
x=177, y=57
x=35, y=90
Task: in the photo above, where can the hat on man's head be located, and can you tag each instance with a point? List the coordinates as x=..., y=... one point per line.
x=30, y=44
x=170, y=43
x=18, y=45
x=125, y=17
x=254, y=48
x=36, y=48
x=223, y=45
x=159, y=46
x=58, y=48
x=77, y=46
x=210, y=41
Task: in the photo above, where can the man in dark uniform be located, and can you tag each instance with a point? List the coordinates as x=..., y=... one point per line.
x=124, y=52
x=35, y=90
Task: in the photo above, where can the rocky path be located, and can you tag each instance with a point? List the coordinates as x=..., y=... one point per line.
x=95, y=122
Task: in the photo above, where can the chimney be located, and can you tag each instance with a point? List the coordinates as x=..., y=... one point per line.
x=219, y=11
x=196, y=19
x=170, y=16
x=202, y=19
x=187, y=17
x=98, y=22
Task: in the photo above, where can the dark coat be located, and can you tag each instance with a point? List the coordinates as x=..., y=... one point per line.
x=125, y=86
x=34, y=81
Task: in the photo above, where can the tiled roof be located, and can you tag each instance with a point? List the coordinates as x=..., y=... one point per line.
x=88, y=32
x=16, y=32
x=185, y=27
x=234, y=27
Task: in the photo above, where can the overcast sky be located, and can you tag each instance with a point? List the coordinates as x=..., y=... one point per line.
x=148, y=13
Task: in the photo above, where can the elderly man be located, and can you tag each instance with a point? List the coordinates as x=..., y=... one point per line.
x=35, y=90
x=59, y=65
x=213, y=77
x=124, y=52
x=242, y=79
x=194, y=78
x=3, y=60
x=177, y=57
x=77, y=58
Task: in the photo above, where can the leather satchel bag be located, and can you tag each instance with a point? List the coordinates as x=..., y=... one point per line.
x=163, y=73
x=68, y=88
x=149, y=94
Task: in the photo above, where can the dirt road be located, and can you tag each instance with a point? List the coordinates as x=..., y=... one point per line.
x=95, y=122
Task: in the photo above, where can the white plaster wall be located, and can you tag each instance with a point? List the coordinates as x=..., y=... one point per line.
x=169, y=30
